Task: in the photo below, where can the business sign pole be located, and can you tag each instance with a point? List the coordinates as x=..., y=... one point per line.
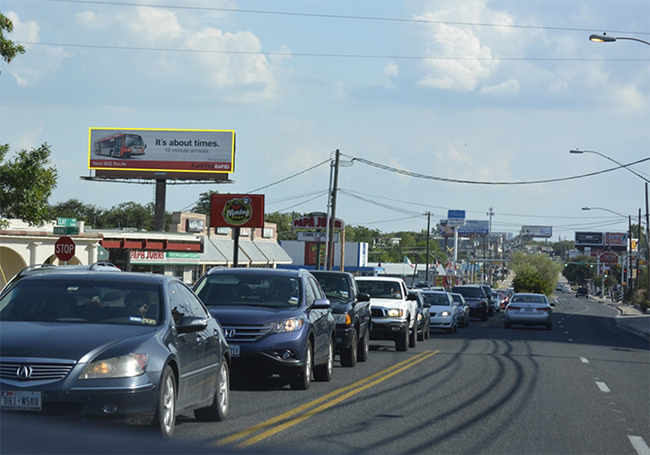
x=456, y=218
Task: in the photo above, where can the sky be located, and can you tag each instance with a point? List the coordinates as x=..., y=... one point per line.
x=472, y=90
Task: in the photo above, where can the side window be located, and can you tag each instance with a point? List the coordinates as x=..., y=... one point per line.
x=310, y=294
x=194, y=304
x=318, y=290
x=178, y=303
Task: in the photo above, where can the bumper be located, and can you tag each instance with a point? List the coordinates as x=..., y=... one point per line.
x=477, y=311
x=344, y=337
x=281, y=353
x=383, y=329
x=441, y=322
x=528, y=319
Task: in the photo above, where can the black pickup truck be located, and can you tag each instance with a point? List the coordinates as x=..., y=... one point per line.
x=351, y=309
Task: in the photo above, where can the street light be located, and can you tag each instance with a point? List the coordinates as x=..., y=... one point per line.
x=607, y=210
x=626, y=166
x=610, y=39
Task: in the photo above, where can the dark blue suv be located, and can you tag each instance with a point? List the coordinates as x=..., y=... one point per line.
x=275, y=321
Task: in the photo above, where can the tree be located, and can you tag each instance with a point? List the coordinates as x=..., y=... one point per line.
x=580, y=270
x=531, y=281
x=8, y=50
x=203, y=204
x=74, y=208
x=536, y=272
x=284, y=225
x=26, y=184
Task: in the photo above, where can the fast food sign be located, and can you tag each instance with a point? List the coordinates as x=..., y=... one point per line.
x=237, y=210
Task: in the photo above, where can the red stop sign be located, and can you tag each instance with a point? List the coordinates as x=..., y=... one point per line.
x=64, y=248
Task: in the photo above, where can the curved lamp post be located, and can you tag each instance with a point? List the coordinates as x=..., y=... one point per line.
x=610, y=39
x=607, y=210
x=612, y=160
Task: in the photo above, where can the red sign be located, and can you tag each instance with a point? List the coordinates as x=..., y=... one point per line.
x=609, y=257
x=237, y=210
x=315, y=222
x=64, y=248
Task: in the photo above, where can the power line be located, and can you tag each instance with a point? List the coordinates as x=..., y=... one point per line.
x=347, y=17
x=476, y=182
x=379, y=204
x=324, y=55
x=304, y=202
x=290, y=177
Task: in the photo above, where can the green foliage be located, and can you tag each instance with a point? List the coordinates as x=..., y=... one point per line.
x=531, y=281
x=580, y=273
x=284, y=224
x=203, y=204
x=26, y=184
x=8, y=50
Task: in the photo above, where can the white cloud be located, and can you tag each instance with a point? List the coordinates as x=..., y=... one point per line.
x=30, y=136
x=21, y=81
x=391, y=69
x=23, y=31
x=156, y=25
x=87, y=18
x=509, y=87
x=339, y=90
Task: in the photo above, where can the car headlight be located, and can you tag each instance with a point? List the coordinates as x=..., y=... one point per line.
x=343, y=319
x=444, y=314
x=126, y=366
x=288, y=325
x=419, y=316
x=395, y=313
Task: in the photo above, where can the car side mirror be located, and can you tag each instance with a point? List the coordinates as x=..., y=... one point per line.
x=363, y=297
x=411, y=297
x=191, y=324
x=321, y=304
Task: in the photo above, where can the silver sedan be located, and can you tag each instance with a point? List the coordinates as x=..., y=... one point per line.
x=529, y=309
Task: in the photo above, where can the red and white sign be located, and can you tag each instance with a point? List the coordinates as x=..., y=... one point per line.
x=609, y=257
x=64, y=249
x=315, y=221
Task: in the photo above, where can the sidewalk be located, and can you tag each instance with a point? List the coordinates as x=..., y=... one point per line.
x=630, y=317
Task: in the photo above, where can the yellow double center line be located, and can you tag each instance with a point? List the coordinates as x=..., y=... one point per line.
x=287, y=420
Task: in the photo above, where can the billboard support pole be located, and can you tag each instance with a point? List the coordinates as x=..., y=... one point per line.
x=159, y=213
x=235, y=247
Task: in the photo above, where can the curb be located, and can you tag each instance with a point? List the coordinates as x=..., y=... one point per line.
x=628, y=328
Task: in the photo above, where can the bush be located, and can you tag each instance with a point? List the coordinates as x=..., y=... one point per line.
x=531, y=281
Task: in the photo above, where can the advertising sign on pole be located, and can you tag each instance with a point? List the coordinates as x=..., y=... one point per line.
x=157, y=149
x=456, y=218
x=588, y=239
x=237, y=210
x=537, y=231
x=311, y=236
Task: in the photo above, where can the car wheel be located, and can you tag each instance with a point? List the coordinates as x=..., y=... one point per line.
x=426, y=332
x=467, y=322
x=349, y=354
x=455, y=328
x=484, y=316
x=413, y=335
x=421, y=334
x=364, y=347
x=324, y=372
x=402, y=342
x=218, y=410
x=165, y=416
x=303, y=380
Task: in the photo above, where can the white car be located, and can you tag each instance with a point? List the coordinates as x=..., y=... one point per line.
x=394, y=312
x=443, y=312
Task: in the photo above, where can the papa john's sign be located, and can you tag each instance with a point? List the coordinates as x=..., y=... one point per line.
x=316, y=221
x=237, y=210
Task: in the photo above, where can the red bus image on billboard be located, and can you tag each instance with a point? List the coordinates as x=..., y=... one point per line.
x=120, y=145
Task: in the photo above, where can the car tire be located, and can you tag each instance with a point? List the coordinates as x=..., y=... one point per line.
x=364, y=347
x=427, y=333
x=402, y=342
x=421, y=334
x=218, y=410
x=484, y=316
x=455, y=328
x=324, y=372
x=450, y=330
x=165, y=416
x=349, y=354
x=413, y=335
x=303, y=380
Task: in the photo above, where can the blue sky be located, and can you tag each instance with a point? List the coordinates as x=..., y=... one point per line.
x=505, y=104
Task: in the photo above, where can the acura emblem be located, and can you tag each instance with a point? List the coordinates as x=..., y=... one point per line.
x=24, y=372
x=229, y=333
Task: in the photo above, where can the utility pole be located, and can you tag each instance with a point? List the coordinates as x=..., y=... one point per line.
x=426, y=271
x=330, y=263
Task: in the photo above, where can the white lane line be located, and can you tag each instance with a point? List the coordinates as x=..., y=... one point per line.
x=602, y=386
x=639, y=445
x=584, y=360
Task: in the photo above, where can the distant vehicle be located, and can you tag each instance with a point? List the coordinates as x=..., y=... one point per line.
x=120, y=145
x=463, y=309
x=566, y=288
x=443, y=312
x=559, y=288
x=475, y=298
x=275, y=321
x=490, y=298
x=351, y=309
x=529, y=309
x=394, y=312
x=423, y=315
x=582, y=292
x=133, y=347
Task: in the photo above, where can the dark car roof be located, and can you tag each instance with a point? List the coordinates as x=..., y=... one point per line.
x=330, y=272
x=85, y=274
x=258, y=271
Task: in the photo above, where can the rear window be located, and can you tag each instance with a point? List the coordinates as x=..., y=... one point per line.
x=249, y=290
x=468, y=292
x=381, y=289
x=529, y=299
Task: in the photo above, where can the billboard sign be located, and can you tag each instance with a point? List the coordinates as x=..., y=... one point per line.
x=316, y=220
x=616, y=240
x=537, y=231
x=588, y=239
x=471, y=227
x=156, y=149
x=237, y=210
x=456, y=218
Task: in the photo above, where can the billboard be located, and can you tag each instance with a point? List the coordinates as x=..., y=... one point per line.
x=616, y=240
x=537, y=231
x=471, y=227
x=588, y=239
x=156, y=149
x=237, y=210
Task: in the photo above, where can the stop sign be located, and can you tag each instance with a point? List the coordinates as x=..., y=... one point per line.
x=64, y=248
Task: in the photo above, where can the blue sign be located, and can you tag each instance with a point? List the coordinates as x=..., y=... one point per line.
x=456, y=214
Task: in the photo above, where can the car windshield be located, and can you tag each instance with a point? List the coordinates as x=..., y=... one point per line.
x=82, y=301
x=249, y=290
x=381, y=289
x=469, y=292
x=335, y=287
x=529, y=299
x=436, y=299
x=457, y=298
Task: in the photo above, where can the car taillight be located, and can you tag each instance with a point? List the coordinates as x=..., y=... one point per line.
x=513, y=308
x=544, y=309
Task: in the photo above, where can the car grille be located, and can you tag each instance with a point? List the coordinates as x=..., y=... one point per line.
x=378, y=312
x=245, y=333
x=34, y=370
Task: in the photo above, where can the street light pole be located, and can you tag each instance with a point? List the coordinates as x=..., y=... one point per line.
x=626, y=166
x=610, y=39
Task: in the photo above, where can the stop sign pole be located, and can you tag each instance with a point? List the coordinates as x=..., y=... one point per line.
x=64, y=248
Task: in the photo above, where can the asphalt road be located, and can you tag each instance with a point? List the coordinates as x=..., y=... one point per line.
x=483, y=389
x=581, y=388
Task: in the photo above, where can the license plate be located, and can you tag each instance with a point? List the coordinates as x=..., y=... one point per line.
x=530, y=310
x=234, y=350
x=20, y=401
